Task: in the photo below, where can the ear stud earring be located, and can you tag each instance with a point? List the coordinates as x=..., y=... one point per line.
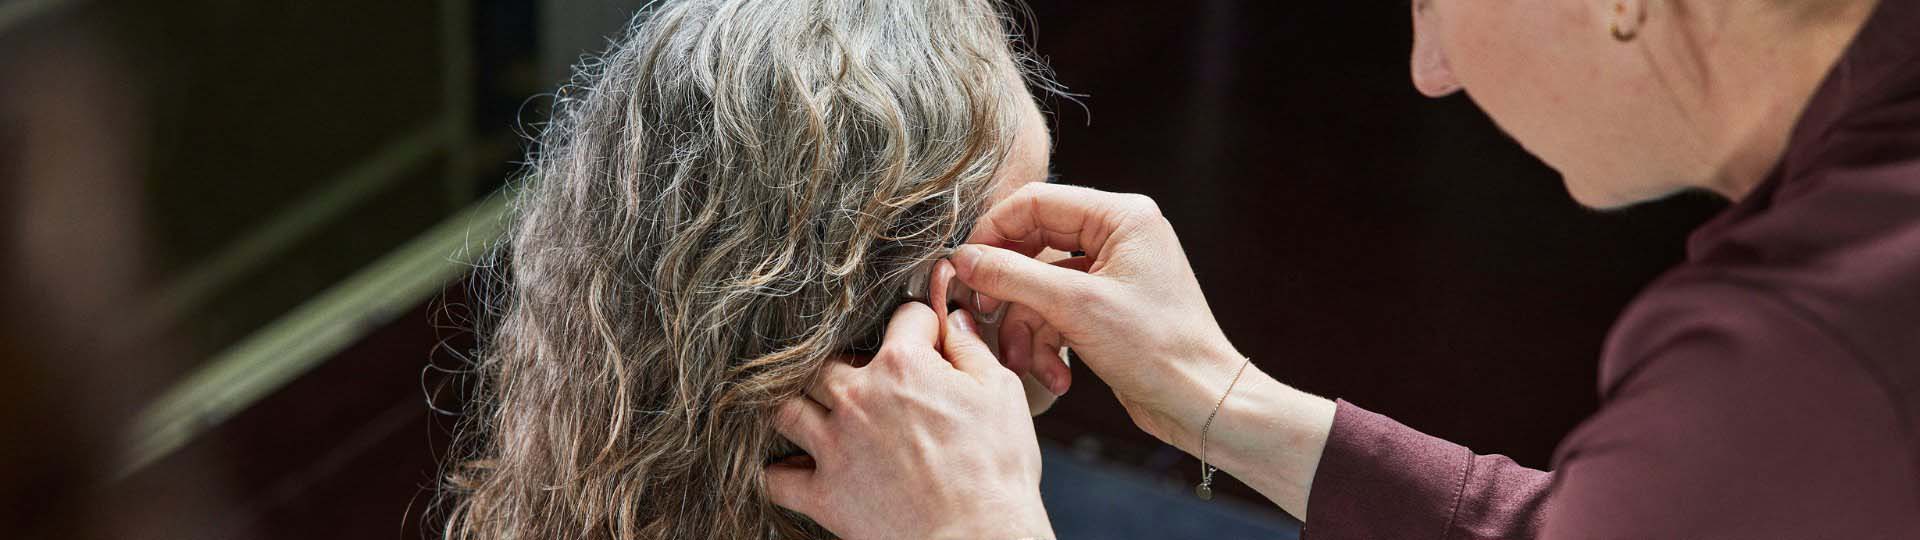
x=1621, y=32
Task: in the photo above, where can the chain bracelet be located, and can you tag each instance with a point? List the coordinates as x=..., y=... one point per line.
x=1205, y=490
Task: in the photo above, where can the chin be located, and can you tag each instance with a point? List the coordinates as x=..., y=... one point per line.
x=1587, y=195
x=1605, y=196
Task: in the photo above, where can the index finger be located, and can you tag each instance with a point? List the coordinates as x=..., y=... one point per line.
x=1066, y=218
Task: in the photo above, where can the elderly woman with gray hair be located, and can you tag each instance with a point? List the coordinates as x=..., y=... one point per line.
x=1768, y=387
x=731, y=199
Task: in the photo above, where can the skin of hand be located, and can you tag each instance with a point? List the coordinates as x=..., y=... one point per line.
x=1040, y=396
x=930, y=439
x=1134, y=312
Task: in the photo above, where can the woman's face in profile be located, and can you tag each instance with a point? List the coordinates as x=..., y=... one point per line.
x=1552, y=76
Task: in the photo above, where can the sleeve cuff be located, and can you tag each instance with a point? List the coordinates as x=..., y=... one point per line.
x=1380, y=479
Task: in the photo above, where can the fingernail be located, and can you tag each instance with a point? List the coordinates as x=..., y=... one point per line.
x=1062, y=375
x=1017, y=341
x=964, y=258
x=1052, y=381
x=962, y=322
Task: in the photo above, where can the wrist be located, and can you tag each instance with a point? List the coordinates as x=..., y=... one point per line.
x=1014, y=518
x=1177, y=410
x=1269, y=436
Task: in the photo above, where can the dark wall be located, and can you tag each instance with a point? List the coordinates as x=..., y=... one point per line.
x=1356, y=239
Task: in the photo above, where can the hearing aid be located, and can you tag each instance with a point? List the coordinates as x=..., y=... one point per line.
x=923, y=287
x=933, y=282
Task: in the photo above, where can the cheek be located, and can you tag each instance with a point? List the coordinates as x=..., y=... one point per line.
x=1496, y=50
x=1523, y=63
x=1003, y=187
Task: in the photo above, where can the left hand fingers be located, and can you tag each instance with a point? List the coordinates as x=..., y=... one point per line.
x=914, y=328
x=804, y=422
x=965, y=348
x=793, y=487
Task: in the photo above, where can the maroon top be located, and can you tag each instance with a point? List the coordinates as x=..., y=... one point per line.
x=1769, y=387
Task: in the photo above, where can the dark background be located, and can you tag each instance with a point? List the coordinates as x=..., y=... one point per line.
x=1356, y=239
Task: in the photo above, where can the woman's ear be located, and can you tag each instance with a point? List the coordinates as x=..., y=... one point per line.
x=1432, y=74
x=940, y=280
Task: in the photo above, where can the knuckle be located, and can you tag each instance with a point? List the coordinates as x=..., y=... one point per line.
x=843, y=391
x=787, y=415
x=891, y=354
x=1085, y=295
x=1142, y=205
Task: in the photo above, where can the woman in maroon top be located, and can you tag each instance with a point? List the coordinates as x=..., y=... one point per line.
x=1769, y=387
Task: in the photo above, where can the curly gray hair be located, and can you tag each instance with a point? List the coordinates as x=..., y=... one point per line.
x=729, y=197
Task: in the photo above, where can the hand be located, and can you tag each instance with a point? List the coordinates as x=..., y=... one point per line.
x=1130, y=307
x=1134, y=312
x=914, y=444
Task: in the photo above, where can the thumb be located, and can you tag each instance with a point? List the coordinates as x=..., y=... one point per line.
x=1012, y=277
x=964, y=347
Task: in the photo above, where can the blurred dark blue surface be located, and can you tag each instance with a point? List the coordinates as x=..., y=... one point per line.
x=1092, y=500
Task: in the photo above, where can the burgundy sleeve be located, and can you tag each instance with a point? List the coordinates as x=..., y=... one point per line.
x=1380, y=479
x=1742, y=421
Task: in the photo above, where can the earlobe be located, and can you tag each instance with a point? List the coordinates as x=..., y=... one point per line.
x=1432, y=74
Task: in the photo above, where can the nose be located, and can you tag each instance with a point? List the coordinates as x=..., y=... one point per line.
x=1432, y=75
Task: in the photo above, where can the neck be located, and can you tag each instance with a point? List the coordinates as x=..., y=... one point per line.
x=1763, y=65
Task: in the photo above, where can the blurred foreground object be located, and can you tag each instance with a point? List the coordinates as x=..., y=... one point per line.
x=73, y=358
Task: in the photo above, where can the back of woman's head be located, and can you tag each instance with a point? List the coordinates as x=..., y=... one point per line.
x=728, y=198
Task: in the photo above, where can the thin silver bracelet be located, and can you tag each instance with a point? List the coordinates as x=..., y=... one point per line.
x=1205, y=490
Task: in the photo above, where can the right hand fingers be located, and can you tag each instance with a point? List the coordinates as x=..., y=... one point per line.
x=1033, y=347
x=1048, y=367
x=1055, y=292
x=1022, y=325
x=1067, y=218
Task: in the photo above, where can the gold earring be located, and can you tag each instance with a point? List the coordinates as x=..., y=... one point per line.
x=1613, y=27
